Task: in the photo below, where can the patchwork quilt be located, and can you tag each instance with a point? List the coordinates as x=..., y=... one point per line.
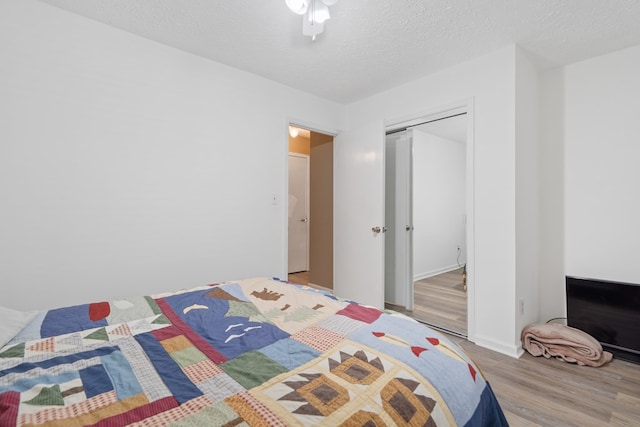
x=256, y=352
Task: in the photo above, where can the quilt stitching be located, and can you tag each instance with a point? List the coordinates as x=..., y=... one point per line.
x=256, y=352
x=354, y=379
x=318, y=338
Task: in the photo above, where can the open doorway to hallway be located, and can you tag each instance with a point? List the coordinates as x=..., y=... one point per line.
x=310, y=212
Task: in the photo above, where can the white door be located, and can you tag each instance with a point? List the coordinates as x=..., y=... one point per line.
x=298, y=213
x=399, y=219
x=407, y=212
x=359, y=215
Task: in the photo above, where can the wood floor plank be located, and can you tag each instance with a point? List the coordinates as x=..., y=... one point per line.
x=627, y=420
x=632, y=400
x=301, y=278
x=550, y=393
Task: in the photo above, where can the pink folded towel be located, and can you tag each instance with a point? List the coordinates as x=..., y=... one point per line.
x=564, y=343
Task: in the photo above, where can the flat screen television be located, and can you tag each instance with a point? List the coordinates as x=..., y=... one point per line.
x=608, y=311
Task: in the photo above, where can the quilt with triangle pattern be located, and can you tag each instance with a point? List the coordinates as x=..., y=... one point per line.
x=254, y=352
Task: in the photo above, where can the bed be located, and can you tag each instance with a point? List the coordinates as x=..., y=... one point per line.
x=257, y=352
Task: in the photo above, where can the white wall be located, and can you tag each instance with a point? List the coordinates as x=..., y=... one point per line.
x=490, y=81
x=589, y=201
x=128, y=167
x=551, y=195
x=602, y=187
x=527, y=300
x=439, y=204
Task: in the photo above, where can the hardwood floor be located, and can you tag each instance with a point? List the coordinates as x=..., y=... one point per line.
x=301, y=278
x=440, y=301
x=534, y=391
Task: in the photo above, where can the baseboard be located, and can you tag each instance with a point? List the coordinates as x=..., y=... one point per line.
x=432, y=273
x=514, y=351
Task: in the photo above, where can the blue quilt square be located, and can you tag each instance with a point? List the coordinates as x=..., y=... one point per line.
x=290, y=353
x=230, y=326
x=95, y=380
x=69, y=319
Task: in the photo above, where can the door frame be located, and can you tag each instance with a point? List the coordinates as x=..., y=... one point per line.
x=465, y=105
x=313, y=127
x=307, y=158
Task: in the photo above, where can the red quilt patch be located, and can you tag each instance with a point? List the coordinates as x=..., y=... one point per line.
x=9, y=402
x=99, y=310
x=361, y=313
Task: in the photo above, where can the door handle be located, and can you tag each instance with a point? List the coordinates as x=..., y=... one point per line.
x=409, y=227
x=377, y=230
x=304, y=220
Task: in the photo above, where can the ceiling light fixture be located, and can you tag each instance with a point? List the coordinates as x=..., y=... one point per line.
x=315, y=12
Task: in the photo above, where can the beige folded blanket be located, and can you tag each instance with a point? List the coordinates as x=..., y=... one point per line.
x=565, y=343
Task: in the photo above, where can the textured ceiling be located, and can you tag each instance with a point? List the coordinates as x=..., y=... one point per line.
x=371, y=45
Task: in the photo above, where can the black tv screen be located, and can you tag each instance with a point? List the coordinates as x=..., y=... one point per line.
x=608, y=311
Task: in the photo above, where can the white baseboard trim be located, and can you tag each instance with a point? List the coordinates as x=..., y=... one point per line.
x=512, y=350
x=432, y=273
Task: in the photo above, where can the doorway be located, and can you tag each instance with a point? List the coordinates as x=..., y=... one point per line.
x=317, y=149
x=427, y=171
x=298, y=213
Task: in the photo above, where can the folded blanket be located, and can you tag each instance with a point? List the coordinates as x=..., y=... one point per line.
x=565, y=343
